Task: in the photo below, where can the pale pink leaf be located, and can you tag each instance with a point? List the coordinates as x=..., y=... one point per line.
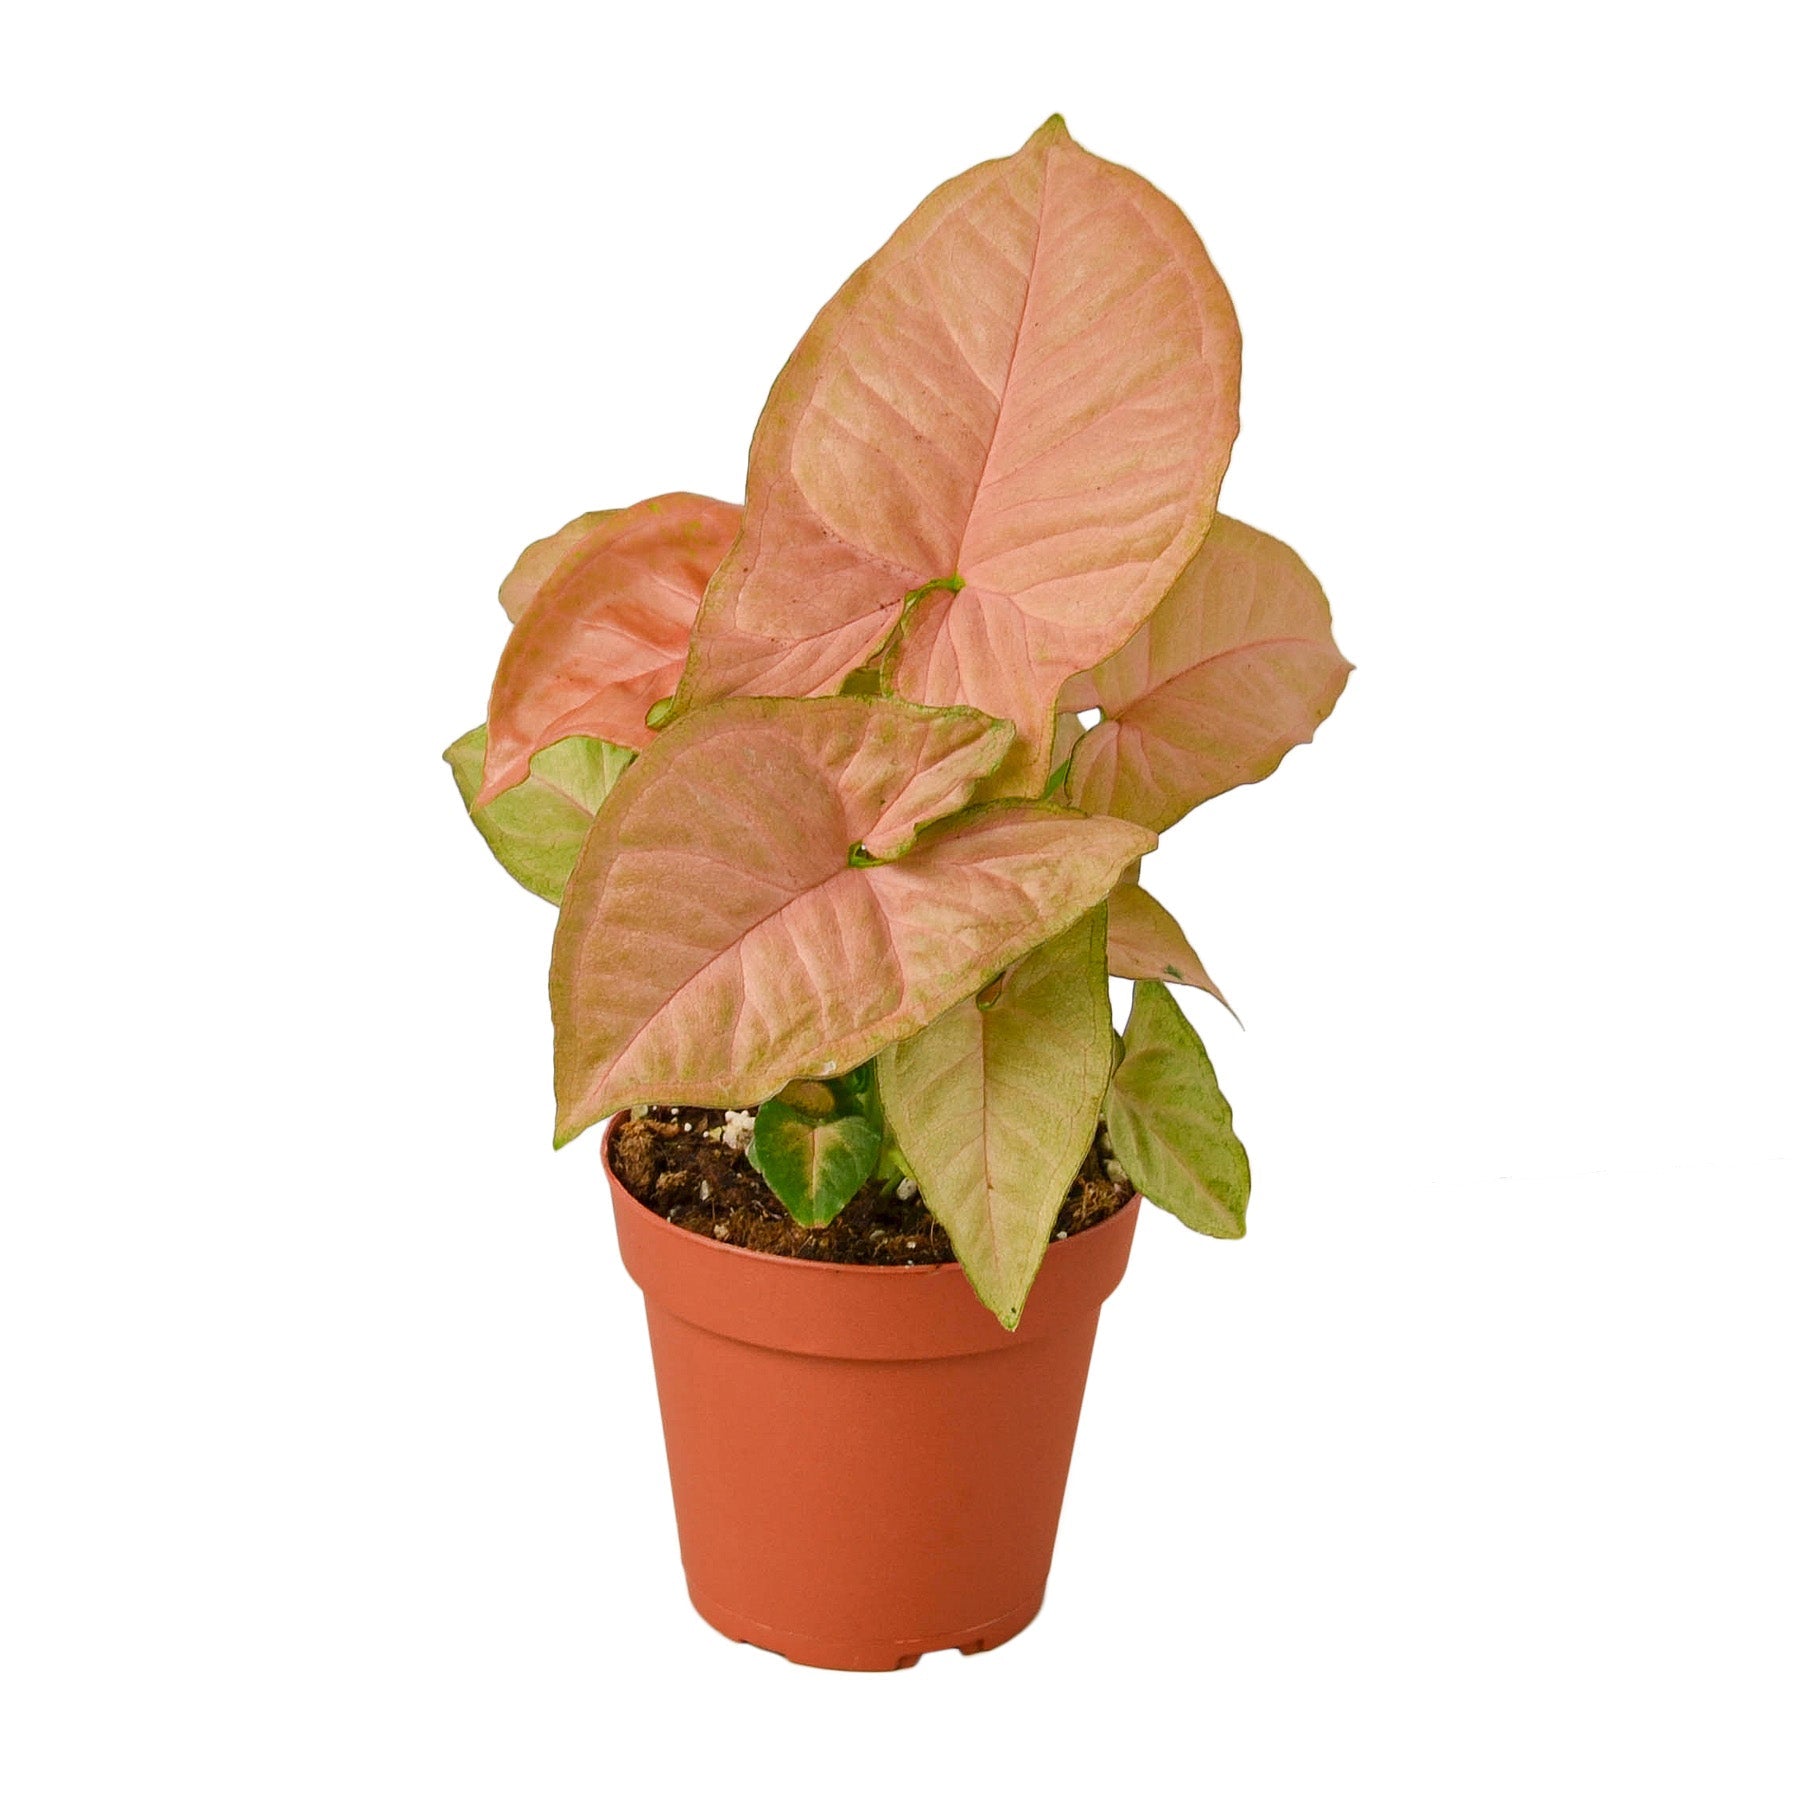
x=1145, y=943
x=1233, y=669
x=1019, y=411
x=604, y=634
x=936, y=787
x=719, y=939
x=1078, y=695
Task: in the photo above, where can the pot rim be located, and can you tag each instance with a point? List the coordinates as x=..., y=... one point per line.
x=658, y=1222
x=819, y=1308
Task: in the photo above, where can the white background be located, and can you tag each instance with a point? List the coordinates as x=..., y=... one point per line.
x=331, y=1459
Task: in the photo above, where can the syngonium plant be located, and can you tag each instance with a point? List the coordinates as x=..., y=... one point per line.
x=809, y=777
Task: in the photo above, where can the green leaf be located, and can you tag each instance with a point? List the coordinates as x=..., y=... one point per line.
x=536, y=829
x=1170, y=1125
x=816, y=1143
x=994, y=1105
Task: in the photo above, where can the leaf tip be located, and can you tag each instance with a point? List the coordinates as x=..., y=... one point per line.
x=500, y=772
x=569, y=1126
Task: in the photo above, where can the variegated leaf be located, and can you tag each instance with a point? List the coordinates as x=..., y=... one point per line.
x=535, y=829
x=994, y=1106
x=1011, y=425
x=602, y=636
x=1234, y=669
x=1144, y=943
x=817, y=1142
x=539, y=561
x=1170, y=1126
x=727, y=930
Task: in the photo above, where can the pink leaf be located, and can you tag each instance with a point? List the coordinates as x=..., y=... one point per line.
x=1078, y=695
x=1233, y=669
x=606, y=609
x=719, y=936
x=1017, y=413
x=1145, y=943
x=537, y=562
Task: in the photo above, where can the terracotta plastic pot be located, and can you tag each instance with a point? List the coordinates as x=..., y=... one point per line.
x=865, y=1465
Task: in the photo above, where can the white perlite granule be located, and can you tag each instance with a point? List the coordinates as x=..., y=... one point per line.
x=739, y=1128
x=908, y=1189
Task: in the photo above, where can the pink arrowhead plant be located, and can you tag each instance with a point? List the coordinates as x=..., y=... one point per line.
x=808, y=778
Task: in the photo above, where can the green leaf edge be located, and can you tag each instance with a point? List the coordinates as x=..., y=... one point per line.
x=568, y=772
x=856, y=1118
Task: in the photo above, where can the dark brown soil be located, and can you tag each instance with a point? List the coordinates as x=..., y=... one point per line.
x=674, y=1159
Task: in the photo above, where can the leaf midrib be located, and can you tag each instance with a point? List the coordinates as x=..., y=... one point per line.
x=1012, y=359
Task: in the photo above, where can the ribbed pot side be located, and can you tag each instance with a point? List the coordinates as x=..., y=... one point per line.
x=865, y=1465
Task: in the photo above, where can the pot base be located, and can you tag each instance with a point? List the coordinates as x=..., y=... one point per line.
x=869, y=1654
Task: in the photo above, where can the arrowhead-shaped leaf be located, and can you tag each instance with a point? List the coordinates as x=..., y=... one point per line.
x=1144, y=943
x=994, y=1106
x=1234, y=668
x=603, y=635
x=1017, y=413
x=1170, y=1126
x=817, y=1142
x=536, y=829
x=725, y=931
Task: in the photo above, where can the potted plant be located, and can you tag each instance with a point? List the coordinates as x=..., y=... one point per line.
x=843, y=796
